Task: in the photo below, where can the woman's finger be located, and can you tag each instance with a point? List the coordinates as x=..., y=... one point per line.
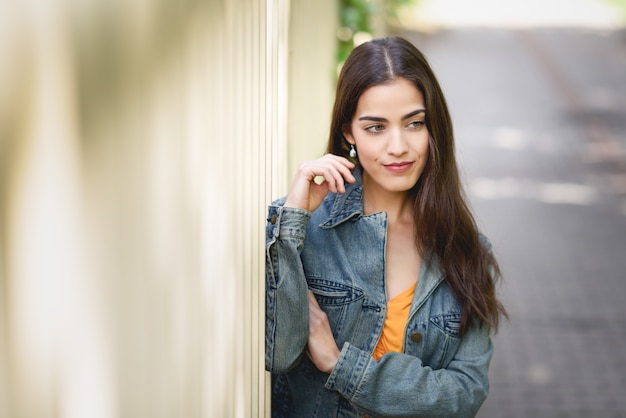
x=308, y=190
x=337, y=172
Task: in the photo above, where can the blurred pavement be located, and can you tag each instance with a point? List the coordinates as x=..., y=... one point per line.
x=540, y=119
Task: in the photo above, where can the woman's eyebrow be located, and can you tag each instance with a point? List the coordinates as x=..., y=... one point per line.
x=373, y=118
x=379, y=119
x=413, y=113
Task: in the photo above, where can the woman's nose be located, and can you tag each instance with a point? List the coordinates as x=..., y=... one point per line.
x=396, y=144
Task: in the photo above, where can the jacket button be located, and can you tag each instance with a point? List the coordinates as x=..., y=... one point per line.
x=416, y=337
x=273, y=219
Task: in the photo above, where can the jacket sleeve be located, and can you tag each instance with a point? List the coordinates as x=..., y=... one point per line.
x=287, y=306
x=399, y=385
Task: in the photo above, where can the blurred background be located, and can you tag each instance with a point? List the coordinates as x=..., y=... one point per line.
x=141, y=141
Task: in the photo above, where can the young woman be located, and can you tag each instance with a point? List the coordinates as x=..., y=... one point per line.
x=380, y=290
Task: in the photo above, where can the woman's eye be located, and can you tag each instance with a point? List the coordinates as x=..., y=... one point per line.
x=375, y=128
x=416, y=124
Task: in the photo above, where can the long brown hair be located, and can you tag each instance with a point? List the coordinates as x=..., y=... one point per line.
x=444, y=225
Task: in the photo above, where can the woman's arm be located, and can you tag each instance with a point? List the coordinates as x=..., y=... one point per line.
x=287, y=307
x=286, y=319
x=400, y=385
x=322, y=348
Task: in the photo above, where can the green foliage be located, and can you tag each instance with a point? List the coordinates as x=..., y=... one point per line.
x=621, y=4
x=356, y=17
x=394, y=5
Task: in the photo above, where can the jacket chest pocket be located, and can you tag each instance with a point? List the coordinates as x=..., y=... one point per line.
x=342, y=304
x=436, y=341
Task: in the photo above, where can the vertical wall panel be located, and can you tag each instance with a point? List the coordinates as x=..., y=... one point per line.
x=312, y=72
x=141, y=143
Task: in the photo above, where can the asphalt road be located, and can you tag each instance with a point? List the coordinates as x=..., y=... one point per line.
x=540, y=122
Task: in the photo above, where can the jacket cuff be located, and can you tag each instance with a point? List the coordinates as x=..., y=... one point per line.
x=286, y=222
x=349, y=370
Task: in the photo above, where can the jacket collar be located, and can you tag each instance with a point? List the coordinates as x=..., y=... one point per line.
x=346, y=206
x=349, y=205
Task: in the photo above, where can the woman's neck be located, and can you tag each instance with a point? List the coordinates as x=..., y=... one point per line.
x=397, y=205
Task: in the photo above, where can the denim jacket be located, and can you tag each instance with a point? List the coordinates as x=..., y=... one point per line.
x=338, y=252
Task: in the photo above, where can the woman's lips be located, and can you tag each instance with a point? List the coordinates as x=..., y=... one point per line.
x=398, y=168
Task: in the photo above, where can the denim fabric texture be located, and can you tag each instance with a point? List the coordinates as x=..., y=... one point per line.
x=338, y=252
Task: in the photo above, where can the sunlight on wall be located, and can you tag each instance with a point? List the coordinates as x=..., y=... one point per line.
x=140, y=143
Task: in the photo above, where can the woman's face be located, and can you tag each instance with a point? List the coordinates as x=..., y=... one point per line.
x=390, y=135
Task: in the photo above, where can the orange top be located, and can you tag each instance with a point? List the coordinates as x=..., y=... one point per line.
x=392, y=338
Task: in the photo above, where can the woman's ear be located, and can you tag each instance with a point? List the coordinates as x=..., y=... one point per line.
x=348, y=135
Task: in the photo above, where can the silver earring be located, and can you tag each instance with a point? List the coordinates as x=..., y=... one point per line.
x=352, y=152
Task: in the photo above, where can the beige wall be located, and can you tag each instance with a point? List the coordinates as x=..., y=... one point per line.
x=140, y=142
x=312, y=67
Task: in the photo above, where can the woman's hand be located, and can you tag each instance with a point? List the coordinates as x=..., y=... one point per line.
x=306, y=193
x=322, y=348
